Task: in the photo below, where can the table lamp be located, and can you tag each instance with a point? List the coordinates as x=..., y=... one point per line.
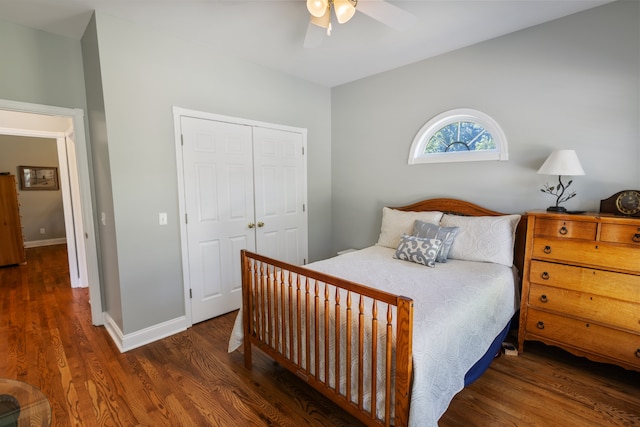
x=560, y=162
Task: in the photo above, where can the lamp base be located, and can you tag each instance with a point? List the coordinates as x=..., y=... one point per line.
x=556, y=209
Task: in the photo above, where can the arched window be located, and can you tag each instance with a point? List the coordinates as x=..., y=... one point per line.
x=459, y=135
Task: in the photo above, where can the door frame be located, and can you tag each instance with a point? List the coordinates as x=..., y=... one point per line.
x=84, y=235
x=178, y=113
x=75, y=247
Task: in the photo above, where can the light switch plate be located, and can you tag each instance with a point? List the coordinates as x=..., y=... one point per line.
x=162, y=218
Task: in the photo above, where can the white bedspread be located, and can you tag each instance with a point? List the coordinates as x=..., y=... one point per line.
x=459, y=308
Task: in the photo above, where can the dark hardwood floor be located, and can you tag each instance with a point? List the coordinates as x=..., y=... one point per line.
x=189, y=379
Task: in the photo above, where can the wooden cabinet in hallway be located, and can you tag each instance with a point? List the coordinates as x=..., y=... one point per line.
x=11, y=240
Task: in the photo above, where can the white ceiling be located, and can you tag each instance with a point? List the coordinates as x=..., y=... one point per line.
x=272, y=32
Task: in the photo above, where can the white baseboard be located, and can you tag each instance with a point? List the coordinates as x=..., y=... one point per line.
x=48, y=242
x=144, y=336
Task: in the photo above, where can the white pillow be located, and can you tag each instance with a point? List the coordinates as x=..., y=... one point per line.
x=395, y=223
x=483, y=238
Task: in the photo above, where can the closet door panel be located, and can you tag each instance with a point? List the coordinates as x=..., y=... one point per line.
x=218, y=176
x=280, y=194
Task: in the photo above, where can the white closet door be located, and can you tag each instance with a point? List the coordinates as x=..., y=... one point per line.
x=280, y=194
x=218, y=180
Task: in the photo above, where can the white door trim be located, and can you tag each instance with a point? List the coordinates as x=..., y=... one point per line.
x=90, y=256
x=179, y=112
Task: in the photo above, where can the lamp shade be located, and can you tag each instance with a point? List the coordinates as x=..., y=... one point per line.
x=344, y=9
x=317, y=8
x=562, y=162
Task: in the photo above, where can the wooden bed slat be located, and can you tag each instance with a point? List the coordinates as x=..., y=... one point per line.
x=326, y=333
x=348, y=349
x=387, y=390
x=307, y=330
x=360, y=352
x=336, y=325
x=374, y=356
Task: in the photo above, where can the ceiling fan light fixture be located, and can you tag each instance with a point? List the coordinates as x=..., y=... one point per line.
x=323, y=21
x=317, y=8
x=344, y=9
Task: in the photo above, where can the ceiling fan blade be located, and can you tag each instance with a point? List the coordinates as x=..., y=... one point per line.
x=387, y=13
x=314, y=36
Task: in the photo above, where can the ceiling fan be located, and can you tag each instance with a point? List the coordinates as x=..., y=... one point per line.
x=380, y=10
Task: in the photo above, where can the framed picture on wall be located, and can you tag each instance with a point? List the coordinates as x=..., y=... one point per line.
x=38, y=178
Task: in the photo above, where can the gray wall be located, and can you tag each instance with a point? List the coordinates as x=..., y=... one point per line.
x=143, y=74
x=40, y=67
x=102, y=194
x=38, y=209
x=571, y=83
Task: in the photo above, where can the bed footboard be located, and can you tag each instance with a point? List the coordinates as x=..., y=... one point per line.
x=348, y=341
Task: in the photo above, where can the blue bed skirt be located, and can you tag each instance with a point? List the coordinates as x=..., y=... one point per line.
x=484, y=362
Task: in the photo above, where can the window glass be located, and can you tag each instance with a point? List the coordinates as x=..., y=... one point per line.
x=459, y=135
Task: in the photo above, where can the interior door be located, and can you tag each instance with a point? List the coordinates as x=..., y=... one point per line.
x=218, y=180
x=280, y=194
x=69, y=185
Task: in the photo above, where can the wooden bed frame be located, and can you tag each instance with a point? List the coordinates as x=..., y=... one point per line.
x=298, y=293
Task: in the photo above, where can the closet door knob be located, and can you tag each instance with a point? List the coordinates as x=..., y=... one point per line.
x=260, y=224
x=251, y=225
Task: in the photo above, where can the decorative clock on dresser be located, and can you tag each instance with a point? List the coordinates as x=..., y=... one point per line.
x=581, y=284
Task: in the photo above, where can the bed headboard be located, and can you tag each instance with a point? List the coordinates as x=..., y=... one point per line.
x=460, y=207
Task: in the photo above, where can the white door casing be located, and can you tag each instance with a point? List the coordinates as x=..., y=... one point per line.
x=78, y=168
x=242, y=185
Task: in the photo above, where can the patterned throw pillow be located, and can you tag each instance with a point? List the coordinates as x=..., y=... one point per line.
x=426, y=230
x=418, y=250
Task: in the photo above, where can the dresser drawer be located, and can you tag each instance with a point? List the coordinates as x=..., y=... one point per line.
x=597, y=308
x=619, y=233
x=587, y=253
x=610, y=343
x=606, y=283
x=566, y=229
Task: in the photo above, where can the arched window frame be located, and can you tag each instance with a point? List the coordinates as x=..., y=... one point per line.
x=417, y=153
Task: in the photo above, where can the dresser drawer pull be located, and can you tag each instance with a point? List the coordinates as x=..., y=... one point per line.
x=543, y=298
x=540, y=325
x=638, y=353
x=545, y=275
x=563, y=230
x=547, y=249
x=636, y=237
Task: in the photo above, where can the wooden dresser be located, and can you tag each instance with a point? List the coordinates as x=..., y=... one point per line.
x=11, y=240
x=581, y=286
